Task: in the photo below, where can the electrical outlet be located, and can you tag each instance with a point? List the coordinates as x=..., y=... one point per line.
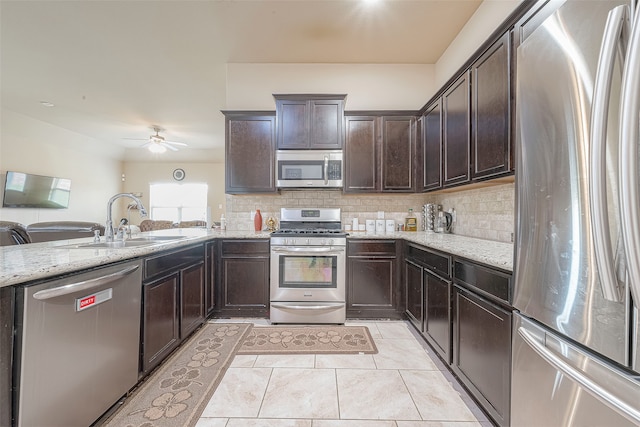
x=380, y=214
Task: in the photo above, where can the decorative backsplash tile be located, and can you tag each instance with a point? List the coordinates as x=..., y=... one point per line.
x=486, y=213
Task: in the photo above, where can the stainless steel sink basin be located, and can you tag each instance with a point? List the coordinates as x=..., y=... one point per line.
x=131, y=243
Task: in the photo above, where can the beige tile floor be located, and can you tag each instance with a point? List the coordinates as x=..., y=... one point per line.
x=404, y=385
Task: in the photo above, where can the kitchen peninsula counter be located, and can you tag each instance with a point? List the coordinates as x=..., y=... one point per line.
x=35, y=261
x=489, y=252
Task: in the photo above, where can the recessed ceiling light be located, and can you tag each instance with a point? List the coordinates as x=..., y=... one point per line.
x=47, y=104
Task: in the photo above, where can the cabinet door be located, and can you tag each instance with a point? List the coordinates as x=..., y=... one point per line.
x=371, y=284
x=7, y=298
x=456, y=131
x=191, y=299
x=414, y=287
x=293, y=123
x=398, y=153
x=325, y=124
x=210, y=279
x=161, y=329
x=250, y=153
x=361, y=154
x=437, y=322
x=245, y=286
x=482, y=352
x=491, y=110
x=432, y=147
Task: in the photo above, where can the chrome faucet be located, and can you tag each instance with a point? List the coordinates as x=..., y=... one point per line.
x=108, y=230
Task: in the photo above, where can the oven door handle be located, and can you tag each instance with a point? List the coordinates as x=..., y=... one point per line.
x=306, y=307
x=323, y=250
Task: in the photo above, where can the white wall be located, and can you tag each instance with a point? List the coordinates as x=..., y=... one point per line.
x=32, y=146
x=368, y=86
x=139, y=175
x=487, y=18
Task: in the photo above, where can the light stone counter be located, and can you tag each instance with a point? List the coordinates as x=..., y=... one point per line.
x=27, y=263
x=495, y=254
x=35, y=261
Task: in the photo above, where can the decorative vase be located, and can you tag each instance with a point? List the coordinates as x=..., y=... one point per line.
x=257, y=220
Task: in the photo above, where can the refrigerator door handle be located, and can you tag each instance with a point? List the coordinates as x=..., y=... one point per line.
x=628, y=158
x=615, y=33
x=626, y=409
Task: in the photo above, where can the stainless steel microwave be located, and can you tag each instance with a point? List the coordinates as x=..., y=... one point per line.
x=309, y=168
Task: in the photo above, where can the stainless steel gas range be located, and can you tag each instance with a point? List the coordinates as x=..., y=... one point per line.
x=308, y=258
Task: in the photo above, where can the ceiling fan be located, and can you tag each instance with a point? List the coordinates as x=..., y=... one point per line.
x=157, y=144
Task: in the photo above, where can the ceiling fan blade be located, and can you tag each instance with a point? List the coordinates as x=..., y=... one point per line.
x=182, y=144
x=169, y=146
x=136, y=139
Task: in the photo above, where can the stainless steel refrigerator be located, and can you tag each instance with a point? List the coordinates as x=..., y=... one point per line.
x=576, y=358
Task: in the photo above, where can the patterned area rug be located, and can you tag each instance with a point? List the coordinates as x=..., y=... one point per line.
x=177, y=393
x=308, y=340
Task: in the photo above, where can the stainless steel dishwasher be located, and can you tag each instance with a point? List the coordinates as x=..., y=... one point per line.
x=80, y=345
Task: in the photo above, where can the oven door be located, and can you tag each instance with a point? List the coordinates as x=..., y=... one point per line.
x=308, y=273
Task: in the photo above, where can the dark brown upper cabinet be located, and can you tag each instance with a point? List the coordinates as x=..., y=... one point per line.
x=309, y=121
x=250, y=144
x=456, y=131
x=491, y=111
x=432, y=147
x=380, y=151
x=361, y=152
x=398, y=153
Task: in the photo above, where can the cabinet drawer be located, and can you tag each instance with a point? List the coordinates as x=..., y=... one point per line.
x=245, y=247
x=171, y=261
x=371, y=248
x=433, y=261
x=492, y=282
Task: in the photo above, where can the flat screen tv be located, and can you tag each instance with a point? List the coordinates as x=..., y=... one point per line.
x=24, y=190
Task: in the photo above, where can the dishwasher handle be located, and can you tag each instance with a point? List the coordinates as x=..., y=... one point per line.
x=58, y=291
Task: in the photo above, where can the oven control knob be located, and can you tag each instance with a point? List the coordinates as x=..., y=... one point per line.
x=308, y=241
x=323, y=242
x=330, y=242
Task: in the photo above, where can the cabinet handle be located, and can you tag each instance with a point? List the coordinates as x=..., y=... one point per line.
x=83, y=285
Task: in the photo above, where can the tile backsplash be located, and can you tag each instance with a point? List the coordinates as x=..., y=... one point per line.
x=486, y=213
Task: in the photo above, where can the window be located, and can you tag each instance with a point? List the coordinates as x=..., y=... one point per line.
x=178, y=202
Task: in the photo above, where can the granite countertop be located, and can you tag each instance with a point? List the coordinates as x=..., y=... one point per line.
x=26, y=263
x=489, y=252
x=35, y=261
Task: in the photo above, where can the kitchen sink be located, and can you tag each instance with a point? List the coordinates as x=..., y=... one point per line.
x=130, y=243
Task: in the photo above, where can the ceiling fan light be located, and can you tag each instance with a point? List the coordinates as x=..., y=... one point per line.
x=157, y=148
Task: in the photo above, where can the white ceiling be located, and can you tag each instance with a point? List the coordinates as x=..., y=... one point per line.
x=114, y=68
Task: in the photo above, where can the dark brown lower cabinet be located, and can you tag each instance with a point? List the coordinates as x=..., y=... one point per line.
x=192, y=301
x=7, y=298
x=414, y=294
x=428, y=296
x=173, y=301
x=437, y=318
x=482, y=351
x=210, y=279
x=243, y=290
x=372, y=278
x=161, y=325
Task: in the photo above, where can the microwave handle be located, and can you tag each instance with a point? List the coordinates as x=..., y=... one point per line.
x=326, y=170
